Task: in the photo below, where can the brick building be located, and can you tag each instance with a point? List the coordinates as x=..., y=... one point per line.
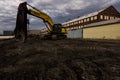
x=109, y=13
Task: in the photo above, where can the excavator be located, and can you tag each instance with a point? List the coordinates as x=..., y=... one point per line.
x=55, y=31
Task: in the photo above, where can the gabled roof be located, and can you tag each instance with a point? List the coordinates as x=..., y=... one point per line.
x=111, y=10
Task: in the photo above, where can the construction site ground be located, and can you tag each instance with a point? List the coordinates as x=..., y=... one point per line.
x=68, y=59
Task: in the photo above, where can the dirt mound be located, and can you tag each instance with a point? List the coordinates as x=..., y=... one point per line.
x=59, y=59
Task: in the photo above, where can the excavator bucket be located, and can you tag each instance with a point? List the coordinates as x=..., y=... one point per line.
x=21, y=22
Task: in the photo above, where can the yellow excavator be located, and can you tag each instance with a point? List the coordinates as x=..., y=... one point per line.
x=54, y=30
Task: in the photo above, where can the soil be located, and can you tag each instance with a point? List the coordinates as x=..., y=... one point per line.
x=68, y=59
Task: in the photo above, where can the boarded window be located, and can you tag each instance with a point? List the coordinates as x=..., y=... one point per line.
x=81, y=21
x=95, y=17
x=101, y=16
x=107, y=17
x=67, y=24
x=111, y=17
x=91, y=18
x=72, y=23
x=84, y=20
x=88, y=19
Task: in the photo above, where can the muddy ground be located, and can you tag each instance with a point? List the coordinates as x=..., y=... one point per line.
x=59, y=59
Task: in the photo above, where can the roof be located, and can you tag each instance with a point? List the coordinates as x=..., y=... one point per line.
x=85, y=16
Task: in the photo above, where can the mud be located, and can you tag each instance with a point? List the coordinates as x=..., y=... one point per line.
x=67, y=59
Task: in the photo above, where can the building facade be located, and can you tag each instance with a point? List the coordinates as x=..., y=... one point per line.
x=103, y=30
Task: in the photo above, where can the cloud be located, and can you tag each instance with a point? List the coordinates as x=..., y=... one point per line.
x=111, y=2
x=58, y=10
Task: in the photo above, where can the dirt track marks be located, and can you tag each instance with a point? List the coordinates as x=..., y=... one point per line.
x=60, y=60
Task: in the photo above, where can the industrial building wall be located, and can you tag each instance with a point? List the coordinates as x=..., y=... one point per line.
x=111, y=31
x=75, y=33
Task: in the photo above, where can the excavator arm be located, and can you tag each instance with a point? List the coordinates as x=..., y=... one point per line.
x=46, y=19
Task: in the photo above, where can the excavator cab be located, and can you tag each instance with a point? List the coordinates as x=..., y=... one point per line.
x=57, y=28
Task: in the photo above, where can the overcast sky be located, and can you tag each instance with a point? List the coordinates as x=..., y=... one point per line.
x=59, y=10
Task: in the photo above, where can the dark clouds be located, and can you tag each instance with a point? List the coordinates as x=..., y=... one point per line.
x=59, y=10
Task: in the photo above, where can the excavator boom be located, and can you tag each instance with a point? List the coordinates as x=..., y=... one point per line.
x=37, y=13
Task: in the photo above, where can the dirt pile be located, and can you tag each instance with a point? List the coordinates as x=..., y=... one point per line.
x=60, y=60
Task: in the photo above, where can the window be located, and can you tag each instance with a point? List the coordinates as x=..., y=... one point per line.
x=111, y=17
x=101, y=16
x=75, y=22
x=95, y=17
x=107, y=17
x=84, y=20
x=67, y=24
x=71, y=23
x=91, y=18
x=88, y=19
x=81, y=21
